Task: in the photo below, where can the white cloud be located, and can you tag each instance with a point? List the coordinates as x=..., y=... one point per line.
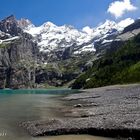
x=118, y=8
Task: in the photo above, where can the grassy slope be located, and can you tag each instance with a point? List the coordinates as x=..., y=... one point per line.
x=122, y=66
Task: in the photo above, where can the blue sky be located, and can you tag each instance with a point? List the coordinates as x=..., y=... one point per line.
x=78, y=13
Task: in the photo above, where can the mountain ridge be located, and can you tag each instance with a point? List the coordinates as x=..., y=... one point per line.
x=51, y=55
x=53, y=38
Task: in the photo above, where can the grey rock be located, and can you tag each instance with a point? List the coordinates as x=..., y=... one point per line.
x=78, y=105
x=17, y=57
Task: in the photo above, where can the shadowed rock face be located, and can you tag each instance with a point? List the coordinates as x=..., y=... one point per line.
x=17, y=64
x=17, y=57
x=134, y=26
x=10, y=25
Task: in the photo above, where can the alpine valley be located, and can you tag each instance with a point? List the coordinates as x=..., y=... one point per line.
x=54, y=56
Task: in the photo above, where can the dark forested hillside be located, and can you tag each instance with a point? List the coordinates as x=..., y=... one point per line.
x=122, y=66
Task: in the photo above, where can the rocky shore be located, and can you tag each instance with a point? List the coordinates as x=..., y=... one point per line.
x=112, y=111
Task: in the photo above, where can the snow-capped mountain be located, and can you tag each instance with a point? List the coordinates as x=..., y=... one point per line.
x=53, y=38
x=107, y=31
x=60, y=41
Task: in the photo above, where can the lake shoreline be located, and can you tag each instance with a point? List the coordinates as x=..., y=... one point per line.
x=111, y=111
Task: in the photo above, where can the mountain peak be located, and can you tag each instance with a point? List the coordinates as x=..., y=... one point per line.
x=25, y=23
x=49, y=24
x=10, y=25
x=107, y=24
x=88, y=30
x=11, y=17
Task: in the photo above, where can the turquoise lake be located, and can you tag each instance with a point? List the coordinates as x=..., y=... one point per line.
x=29, y=105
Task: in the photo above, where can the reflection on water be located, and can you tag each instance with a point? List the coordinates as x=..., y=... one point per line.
x=15, y=108
x=38, y=91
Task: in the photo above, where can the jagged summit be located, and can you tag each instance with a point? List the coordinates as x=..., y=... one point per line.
x=49, y=24
x=25, y=23
x=10, y=25
x=10, y=18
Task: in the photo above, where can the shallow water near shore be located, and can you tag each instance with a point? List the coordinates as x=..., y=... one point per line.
x=29, y=105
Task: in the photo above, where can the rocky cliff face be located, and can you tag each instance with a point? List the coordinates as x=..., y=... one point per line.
x=17, y=56
x=9, y=25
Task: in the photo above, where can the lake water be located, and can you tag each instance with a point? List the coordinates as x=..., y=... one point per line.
x=29, y=105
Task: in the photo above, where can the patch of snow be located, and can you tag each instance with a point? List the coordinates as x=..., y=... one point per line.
x=9, y=39
x=88, y=30
x=106, y=41
x=124, y=23
x=88, y=48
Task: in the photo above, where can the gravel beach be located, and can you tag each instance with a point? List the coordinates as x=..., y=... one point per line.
x=112, y=111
